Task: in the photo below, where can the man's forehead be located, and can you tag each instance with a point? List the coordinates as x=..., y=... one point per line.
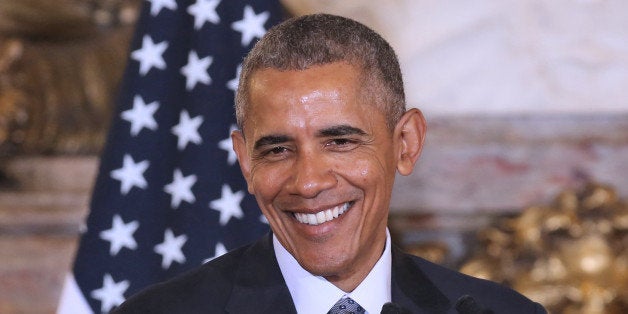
x=331, y=92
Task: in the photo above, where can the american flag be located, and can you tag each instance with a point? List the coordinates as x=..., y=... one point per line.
x=169, y=194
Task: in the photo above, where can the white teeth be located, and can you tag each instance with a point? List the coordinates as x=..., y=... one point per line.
x=329, y=215
x=322, y=216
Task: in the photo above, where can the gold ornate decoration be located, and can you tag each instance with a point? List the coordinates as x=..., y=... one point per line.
x=571, y=256
x=60, y=65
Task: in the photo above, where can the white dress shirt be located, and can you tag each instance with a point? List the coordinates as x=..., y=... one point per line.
x=315, y=295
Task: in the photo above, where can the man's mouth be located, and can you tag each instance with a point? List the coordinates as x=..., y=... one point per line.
x=323, y=216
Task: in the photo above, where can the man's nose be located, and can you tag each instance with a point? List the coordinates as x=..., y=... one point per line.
x=311, y=175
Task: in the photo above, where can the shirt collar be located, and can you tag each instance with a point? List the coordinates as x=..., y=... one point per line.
x=314, y=294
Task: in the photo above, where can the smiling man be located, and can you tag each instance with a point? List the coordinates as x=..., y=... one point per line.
x=323, y=129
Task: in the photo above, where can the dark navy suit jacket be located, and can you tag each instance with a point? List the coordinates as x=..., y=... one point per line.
x=248, y=280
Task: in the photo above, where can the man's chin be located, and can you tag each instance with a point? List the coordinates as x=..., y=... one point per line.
x=324, y=267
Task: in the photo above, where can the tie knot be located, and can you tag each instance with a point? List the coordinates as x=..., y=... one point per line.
x=346, y=306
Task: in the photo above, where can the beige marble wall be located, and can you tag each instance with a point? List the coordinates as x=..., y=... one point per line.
x=40, y=217
x=511, y=56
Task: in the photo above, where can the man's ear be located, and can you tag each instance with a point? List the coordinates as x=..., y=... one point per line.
x=239, y=146
x=409, y=136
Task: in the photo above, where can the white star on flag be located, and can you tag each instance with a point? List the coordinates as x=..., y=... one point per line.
x=176, y=103
x=251, y=25
x=131, y=174
x=120, y=235
x=157, y=5
x=227, y=145
x=220, y=250
x=181, y=188
x=233, y=84
x=170, y=249
x=228, y=204
x=196, y=70
x=204, y=11
x=187, y=130
x=150, y=55
x=111, y=294
x=141, y=115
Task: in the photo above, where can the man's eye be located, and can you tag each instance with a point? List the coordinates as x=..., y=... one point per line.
x=274, y=153
x=341, y=144
x=340, y=141
x=276, y=150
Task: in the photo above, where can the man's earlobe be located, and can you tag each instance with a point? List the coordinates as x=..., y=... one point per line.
x=239, y=146
x=410, y=136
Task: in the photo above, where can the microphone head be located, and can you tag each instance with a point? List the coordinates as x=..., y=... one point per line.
x=392, y=308
x=466, y=304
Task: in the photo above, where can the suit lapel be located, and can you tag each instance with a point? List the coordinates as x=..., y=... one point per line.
x=412, y=289
x=259, y=286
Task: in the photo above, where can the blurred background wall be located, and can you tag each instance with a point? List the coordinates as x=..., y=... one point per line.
x=524, y=100
x=60, y=65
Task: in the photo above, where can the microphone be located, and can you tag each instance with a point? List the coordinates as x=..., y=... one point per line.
x=392, y=308
x=466, y=304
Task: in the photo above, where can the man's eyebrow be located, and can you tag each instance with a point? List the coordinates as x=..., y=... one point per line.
x=340, y=130
x=271, y=140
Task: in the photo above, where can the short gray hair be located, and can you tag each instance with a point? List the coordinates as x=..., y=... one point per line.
x=318, y=39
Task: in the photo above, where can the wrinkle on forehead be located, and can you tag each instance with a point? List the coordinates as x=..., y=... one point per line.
x=311, y=98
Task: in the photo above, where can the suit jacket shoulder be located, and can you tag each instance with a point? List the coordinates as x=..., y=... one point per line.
x=425, y=287
x=246, y=280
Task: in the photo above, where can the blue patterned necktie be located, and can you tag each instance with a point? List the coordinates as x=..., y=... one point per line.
x=346, y=306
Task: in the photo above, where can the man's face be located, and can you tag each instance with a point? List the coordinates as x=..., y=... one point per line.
x=321, y=163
